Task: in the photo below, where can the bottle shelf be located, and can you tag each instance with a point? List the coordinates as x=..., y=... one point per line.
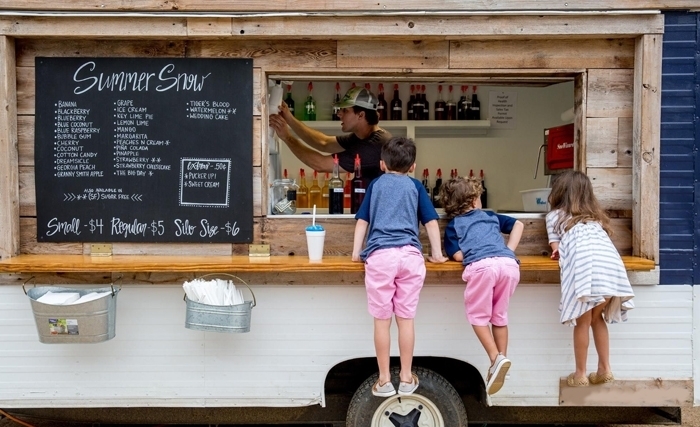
x=417, y=128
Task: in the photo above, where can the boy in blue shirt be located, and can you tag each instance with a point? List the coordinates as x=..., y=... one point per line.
x=491, y=270
x=394, y=264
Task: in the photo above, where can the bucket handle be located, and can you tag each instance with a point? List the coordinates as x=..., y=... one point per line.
x=111, y=286
x=25, y=282
x=229, y=275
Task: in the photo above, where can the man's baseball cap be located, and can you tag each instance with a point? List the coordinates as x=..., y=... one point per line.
x=358, y=97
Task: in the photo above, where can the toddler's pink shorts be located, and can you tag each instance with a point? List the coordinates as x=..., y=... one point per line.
x=490, y=284
x=393, y=279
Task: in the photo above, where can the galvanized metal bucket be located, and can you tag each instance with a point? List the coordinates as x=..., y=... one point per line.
x=90, y=322
x=220, y=318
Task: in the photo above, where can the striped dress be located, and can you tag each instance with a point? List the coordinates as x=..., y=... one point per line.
x=591, y=271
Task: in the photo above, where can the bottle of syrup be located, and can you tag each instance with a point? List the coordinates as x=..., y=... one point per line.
x=396, y=108
x=450, y=107
x=409, y=104
x=335, y=190
x=440, y=105
x=476, y=107
x=315, y=198
x=302, y=191
x=436, y=189
x=381, y=106
x=324, y=193
x=289, y=101
x=310, y=105
x=426, y=104
x=347, y=192
x=358, y=187
x=462, y=105
x=418, y=106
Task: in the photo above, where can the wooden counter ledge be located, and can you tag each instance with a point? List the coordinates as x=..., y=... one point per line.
x=292, y=264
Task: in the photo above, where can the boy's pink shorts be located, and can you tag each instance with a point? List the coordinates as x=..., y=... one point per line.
x=393, y=279
x=490, y=284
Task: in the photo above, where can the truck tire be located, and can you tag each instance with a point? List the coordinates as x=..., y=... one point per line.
x=435, y=404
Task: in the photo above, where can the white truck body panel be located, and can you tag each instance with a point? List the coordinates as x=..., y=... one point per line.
x=299, y=332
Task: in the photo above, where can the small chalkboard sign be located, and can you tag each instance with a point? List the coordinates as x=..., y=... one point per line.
x=144, y=150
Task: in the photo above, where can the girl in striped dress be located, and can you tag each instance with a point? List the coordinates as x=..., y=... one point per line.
x=595, y=289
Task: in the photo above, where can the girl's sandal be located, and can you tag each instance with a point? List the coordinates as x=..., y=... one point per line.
x=572, y=381
x=594, y=378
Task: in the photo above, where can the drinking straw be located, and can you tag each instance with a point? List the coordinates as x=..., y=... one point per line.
x=313, y=216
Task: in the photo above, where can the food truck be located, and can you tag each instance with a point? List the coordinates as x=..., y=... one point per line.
x=135, y=155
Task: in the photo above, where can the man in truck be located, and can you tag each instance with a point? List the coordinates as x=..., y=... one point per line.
x=358, y=116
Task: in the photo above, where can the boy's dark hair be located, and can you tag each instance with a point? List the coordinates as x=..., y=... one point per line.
x=399, y=154
x=370, y=115
x=459, y=194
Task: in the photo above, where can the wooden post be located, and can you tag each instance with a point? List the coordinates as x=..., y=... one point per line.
x=646, y=136
x=580, y=90
x=9, y=169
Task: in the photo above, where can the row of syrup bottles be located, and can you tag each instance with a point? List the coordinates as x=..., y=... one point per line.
x=434, y=192
x=417, y=107
x=335, y=194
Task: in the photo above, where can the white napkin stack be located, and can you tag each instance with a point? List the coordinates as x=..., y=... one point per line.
x=92, y=296
x=70, y=298
x=213, y=292
x=59, y=298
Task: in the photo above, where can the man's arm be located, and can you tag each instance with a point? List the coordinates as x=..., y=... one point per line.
x=316, y=139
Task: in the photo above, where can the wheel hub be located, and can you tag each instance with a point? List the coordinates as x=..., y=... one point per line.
x=407, y=411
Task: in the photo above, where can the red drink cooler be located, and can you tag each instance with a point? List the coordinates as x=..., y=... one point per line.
x=560, y=147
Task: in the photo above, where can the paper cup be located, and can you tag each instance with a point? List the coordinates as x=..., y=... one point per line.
x=314, y=243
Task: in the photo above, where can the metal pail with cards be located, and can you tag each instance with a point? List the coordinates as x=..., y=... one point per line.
x=65, y=315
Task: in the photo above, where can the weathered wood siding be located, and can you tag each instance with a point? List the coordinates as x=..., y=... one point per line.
x=340, y=6
x=608, y=107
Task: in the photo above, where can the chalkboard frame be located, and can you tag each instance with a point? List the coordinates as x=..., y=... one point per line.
x=144, y=149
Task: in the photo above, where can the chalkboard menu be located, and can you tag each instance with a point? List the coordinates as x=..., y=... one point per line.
x=144, y=150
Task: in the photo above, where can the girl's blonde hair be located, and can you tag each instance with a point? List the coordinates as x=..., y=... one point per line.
x=459, y=194
x=572, y=193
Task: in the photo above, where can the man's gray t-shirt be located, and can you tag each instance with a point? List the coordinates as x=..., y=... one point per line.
x=393, y=206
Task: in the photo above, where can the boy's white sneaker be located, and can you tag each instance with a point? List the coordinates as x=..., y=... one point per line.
x=385, y=390
x=497, y=374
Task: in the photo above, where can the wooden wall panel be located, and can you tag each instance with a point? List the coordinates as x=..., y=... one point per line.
x=646, y=157
x=610, y=93
x=217, y=27
x=381, y=54
x=442, y=27
x=338, y=5
x=580, y=137
x=612, y=187
x=27, y=191
x=25, y=140
x=28, y=49
x=277, y=54
x=9, y=185
x=601, y=145
x=286, y=236
x=594, y=53
x=624, y=142
x=94, y=27
x=25, y=90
